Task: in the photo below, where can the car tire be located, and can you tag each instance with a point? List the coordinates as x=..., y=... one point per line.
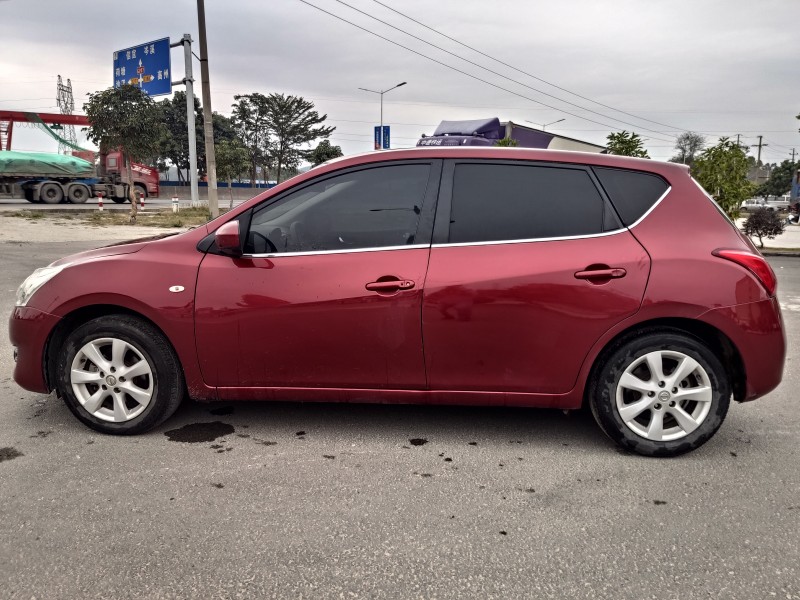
x=661, y=393
x=91, y=375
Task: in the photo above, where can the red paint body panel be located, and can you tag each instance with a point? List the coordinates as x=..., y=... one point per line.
x=310, y=321
x=756, y=329
x=504, y=323
x=513, y=317
x=392, y=396
x=136, y=277
x=28, y=329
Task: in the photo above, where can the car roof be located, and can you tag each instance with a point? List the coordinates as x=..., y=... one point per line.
x=504, y=153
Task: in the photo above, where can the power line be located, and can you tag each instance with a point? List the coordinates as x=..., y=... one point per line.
x=500, y=74
x=470, y=75
x=526, y=73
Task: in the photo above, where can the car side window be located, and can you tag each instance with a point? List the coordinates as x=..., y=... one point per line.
x=501, y=202
x=369, y=208
x=632, y=193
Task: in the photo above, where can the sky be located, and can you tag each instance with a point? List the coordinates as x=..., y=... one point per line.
x=656, y=67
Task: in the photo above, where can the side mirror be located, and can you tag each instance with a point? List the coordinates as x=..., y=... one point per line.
x=228, y=240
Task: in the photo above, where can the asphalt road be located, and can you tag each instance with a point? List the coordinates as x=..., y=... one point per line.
x=265, y=500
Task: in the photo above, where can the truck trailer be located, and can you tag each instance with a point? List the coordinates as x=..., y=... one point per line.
x=53, y=178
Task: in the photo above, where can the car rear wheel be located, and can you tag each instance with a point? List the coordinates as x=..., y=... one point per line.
x=663, y=393
x=119, y=375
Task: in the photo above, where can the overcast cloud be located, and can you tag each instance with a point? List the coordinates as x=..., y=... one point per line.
x=720, y=67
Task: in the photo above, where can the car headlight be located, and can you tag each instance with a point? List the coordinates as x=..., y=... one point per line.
x=34, y=281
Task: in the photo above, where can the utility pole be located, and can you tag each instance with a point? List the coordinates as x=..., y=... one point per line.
x=188, y=81
x=758, y=160
x=793, y=155
x=208, y=123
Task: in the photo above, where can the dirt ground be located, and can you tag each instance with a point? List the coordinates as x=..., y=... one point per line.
x=16, y=229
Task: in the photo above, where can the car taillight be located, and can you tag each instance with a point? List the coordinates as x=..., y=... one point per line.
x=754, y=263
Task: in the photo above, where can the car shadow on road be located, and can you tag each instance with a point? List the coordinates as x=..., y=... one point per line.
x=397, y=424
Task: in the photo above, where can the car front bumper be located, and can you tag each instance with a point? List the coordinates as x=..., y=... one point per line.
x=29, y=329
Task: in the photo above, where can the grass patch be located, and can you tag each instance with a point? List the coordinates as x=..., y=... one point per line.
x=24, y=214
x=188, y=217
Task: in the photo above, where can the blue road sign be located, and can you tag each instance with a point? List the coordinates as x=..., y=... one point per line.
x=146, y=66
x=377, y=137
x=385, y=137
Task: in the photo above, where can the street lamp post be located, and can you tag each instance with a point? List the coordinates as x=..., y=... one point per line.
x=381, y=93
x=544, y=127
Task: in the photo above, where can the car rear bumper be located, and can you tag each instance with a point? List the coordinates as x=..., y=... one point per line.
x=756, y=329
x=28, y=330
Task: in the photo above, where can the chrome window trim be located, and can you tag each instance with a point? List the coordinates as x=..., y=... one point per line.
x=531, y=240
x=462, y=244
x=346, y=251
x=651, y=209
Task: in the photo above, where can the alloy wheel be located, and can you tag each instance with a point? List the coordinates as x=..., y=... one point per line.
x=112, y=379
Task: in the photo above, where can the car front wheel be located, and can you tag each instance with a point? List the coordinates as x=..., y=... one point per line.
x=119, y=375
x=663, y=393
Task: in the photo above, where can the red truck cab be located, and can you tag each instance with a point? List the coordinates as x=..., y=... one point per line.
x=145, y=179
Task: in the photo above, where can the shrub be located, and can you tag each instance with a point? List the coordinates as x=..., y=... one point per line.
x=764, y=223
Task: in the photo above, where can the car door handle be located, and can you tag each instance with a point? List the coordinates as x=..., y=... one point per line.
x=601, y=274
x=391, y=285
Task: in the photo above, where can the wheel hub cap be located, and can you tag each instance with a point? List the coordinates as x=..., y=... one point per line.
x=119, y=397
x=658, y=414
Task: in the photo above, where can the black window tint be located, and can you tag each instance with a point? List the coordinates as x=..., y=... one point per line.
x=371, y=208
x=516, y=202
x=631, y=192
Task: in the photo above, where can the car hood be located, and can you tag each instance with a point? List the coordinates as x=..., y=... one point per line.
x=127, y=247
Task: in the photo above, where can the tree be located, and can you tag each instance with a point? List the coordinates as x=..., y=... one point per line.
x=323, y=153
x=780, y=179
x=688, y=145
x=764, y=223
x=249, y=122
x=626, y=144
x=507, y=142
x=223, y=130
x=232, y=161
x=722, y=171
x=174, y=144
x=294, y=122
x=126, y=118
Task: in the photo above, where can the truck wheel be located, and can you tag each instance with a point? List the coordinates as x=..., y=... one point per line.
x=29, y=195
x=78, y=193
x=51, y=192
x=141, y=190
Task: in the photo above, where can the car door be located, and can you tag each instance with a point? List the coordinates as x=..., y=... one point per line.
x=329, y=290
x=529, y=267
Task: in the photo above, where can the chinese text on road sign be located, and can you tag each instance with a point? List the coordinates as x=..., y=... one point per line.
x=146, y=66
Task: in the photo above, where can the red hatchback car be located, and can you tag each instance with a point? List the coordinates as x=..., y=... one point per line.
x=491, y=276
